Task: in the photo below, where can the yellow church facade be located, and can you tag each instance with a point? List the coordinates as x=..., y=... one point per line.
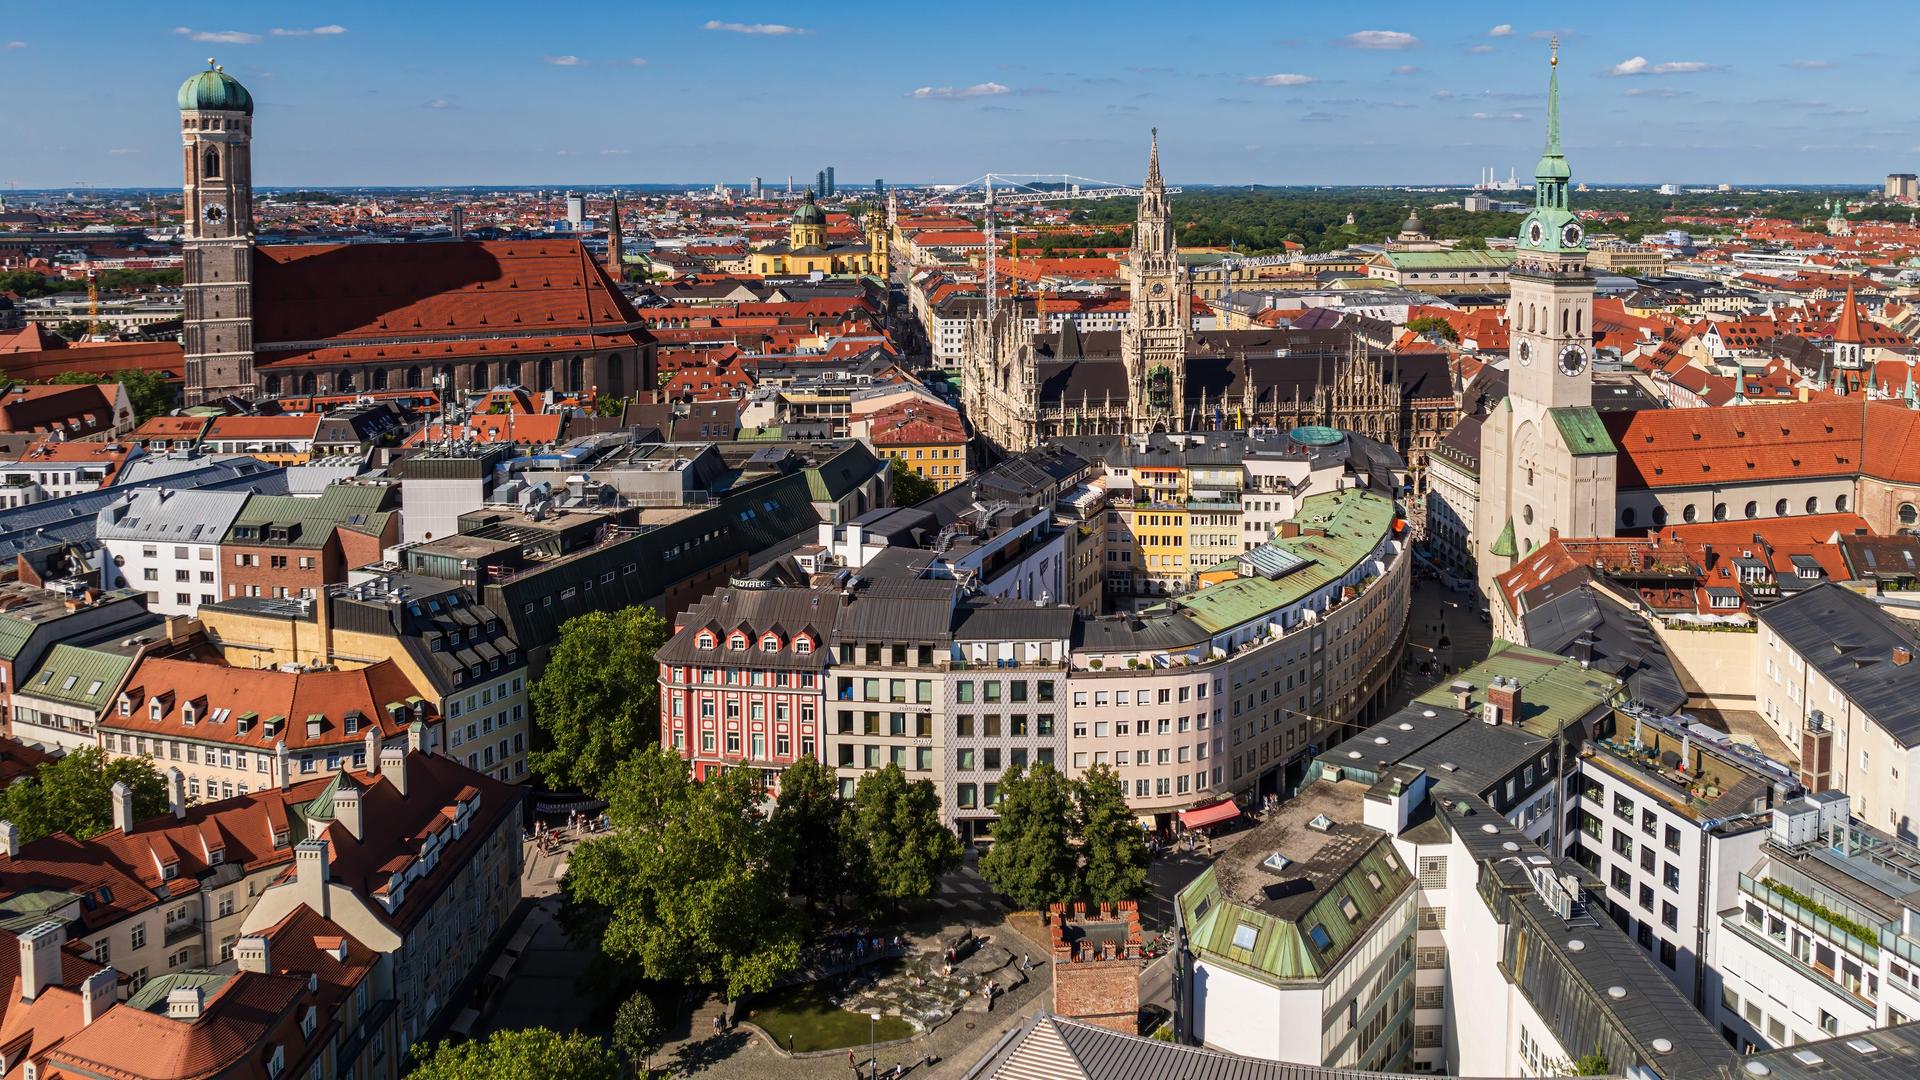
x=806, y=252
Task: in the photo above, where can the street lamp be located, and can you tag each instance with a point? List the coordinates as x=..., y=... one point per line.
x=873, y=1056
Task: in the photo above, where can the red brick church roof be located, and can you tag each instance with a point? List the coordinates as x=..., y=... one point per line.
x=326, y=303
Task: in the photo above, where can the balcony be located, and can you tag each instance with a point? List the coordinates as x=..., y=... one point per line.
x=184, y=930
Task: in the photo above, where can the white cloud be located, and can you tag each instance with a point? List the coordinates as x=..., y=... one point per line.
x=1480, y=49
x=1810, y=65
x=329, y=30
x=1285, y=78
x=614, y=153
x=946, y=93
x=1638, y=65
x=122, y=150
x=16, y=44
x=772, y=29
x=441, y=103
x=1503, y=30
x=1406, y=69
x=638, y=61
x=568, y=60
x=1499, y=116
x=1381, y=39
x=219, y=37
x=1442, y=95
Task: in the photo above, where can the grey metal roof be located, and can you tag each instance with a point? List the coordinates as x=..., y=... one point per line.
x=1008, y=620
x=169, y=515
x=902, y=617
x=1890, y=1053
x=1622, y=645
x=74, y=519
x=1851, y=641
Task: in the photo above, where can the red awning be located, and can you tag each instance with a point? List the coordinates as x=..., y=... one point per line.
x=1202, y=816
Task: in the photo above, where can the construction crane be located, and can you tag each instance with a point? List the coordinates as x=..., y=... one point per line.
x=993, y=190
x=93, y=303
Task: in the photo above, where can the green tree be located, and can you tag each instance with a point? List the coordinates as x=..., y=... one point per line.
x=1594, y=1064
x=1433, y=324
x=1032, y=859
x=150, y=393
x=897, y=831
x=687, y=886
x=609, y=406
x=909, y=487
x=1111, y=843
x=597, y=702
x=638, y=1029
x=74, y=795
x=522, y=1054
x=809, y=833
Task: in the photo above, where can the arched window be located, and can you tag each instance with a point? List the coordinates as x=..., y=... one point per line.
x=1813, y=505
x=1563, y=322
x=1659, y=516
x=379, y=379
x=1526, y=514
x=1780, y=508
x=576, y=375
x=1840, y=503
x=344, y=381
x=1909, y=516
x=273, y=385
x=510, y=373
x=1753, y=509
x=1689, y=514
x=211, y=170
x=413, y=378
x=1626, y=517
x=1578, y=315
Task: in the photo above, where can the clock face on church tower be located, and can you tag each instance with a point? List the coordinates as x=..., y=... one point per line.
x=1536, y=232
x=213, y=214
x=1573, y=360
x=1526, y=352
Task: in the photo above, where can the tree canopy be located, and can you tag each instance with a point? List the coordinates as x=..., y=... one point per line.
x=638, y=1028
x=688, y=885
x=148, y=392
x=522, y=1054
x=1114, y=851
x=909, y=487
x=896, y=825
x=597, y=701
x=811, y=830
x=74, y=795
x=1032, y=859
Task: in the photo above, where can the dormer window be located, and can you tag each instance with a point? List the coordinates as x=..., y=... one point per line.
x=309, y=1020
x=737, y=643
x=803, y=645
x=770, y=644
x=156, y=709
x=126, y=705
x=352, y=723
x=216, y=856
x=189, y=715
x=704, y=641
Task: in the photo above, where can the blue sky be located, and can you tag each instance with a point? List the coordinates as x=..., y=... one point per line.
x=583, y=92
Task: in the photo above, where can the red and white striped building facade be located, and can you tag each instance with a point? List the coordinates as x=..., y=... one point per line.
x=743, y=679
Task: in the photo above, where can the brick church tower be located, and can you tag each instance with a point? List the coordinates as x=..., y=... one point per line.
x=216, y=135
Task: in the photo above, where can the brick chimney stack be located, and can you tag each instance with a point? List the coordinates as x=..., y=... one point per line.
x=1503, y=701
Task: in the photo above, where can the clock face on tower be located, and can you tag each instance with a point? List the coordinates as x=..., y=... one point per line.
x=1573, y=360
x=1526, y=352
x=1570, y=236
x=1158, y=288
x=214, y=214
x=1535, y=232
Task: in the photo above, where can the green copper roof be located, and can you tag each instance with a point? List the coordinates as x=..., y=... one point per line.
x=1353, y=522
x=1248, y=936
x=1554, y=690
x=30, y=907
x=809, y=213
x=1581, y=429
x=1553, y=163
x=1448, y=260
x=77, y=676
x=1504, y=546
x=152, y=997
x=214, y=89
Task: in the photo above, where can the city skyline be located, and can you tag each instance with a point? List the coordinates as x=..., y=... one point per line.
x=363, y=96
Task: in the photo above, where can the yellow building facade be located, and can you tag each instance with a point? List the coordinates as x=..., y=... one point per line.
x=806, y=251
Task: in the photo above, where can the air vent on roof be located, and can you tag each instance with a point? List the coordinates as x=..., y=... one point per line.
x=1276, y=861
x=1320, y=823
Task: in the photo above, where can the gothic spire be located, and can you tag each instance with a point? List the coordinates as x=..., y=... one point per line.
x=1552, y=172
x=1553, y=99
x=615, y=265
x=1153, y=162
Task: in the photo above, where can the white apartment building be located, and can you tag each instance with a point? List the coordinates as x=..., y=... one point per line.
x=166, y=543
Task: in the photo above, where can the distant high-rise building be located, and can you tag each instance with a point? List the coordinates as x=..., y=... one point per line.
x=830, y=184
x=457, y=222
x=576, y=210
x=753, y=189
x=789, y=185
x=820, y=183
x=1904, y=187
x=880, y=188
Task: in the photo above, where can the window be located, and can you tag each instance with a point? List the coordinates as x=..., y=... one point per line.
x=1319, y=936
x=1246, y=934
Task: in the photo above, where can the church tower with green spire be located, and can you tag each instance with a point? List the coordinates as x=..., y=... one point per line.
x=1547, y=464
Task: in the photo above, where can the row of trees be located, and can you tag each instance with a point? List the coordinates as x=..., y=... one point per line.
x=31, y=284
x=697, y=884
x=1060, y=839
x=74, y=795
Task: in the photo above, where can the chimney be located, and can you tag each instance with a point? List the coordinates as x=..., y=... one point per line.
x=185, y=1003
x=96, y=996
x=282, y=768
x=1462, y=694
x=40, y=958
x=253, y=954
x=1902, y=656
x=417, y=737
x=310, y=869
x=393, y=766
x=10, y=835
x=346, y=810
x=1503, y=701
x=373, y=749
x=123, y=807
x=177, y=792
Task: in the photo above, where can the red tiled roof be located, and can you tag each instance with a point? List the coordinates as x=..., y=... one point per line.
x=163, y=358
x=264, y=427
x=1682, y=447
x=1847, y=327
x=266, y=693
